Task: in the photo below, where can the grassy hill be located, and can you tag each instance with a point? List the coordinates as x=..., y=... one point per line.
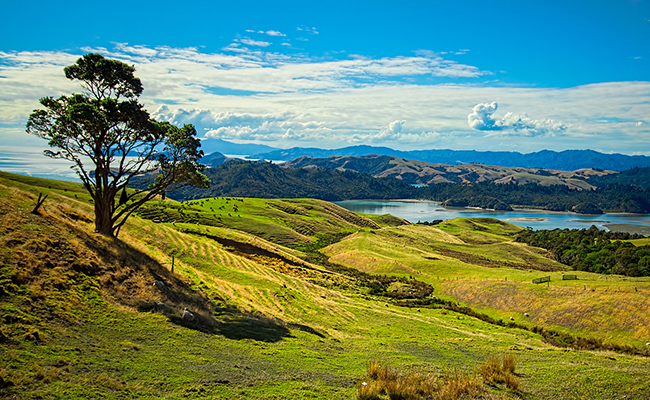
x=274, y=320
x=420, y=172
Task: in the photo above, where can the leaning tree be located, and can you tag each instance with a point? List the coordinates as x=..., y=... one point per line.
x=111, y=139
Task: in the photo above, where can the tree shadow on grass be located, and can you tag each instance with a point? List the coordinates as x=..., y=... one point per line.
x=239, y=325
x=123, y=266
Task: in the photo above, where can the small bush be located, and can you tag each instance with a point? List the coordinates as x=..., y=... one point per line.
x=378, y=372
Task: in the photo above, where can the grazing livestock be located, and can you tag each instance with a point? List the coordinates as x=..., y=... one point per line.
x=187, y=315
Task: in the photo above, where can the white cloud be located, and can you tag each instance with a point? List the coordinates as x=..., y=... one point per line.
x=481, y=118
x=308, y=30
x=274, y=33
x=258, y=95
x=393, y=130
x=251, y=42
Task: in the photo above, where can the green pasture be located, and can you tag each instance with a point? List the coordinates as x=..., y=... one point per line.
x=75, y=325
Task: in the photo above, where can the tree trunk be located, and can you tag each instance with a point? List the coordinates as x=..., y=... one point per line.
x=103, y=223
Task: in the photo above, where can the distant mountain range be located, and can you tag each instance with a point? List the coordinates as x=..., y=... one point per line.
x=568, y=160
x=210, y=146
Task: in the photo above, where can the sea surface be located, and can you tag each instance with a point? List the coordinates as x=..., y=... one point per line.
x=414, y=211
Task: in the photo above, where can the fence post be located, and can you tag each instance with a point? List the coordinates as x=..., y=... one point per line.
x=172, y=264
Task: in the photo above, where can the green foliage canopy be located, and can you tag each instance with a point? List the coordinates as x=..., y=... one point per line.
x=592, y=250
x=110, y=139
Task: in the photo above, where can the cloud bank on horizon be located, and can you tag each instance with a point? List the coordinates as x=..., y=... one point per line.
x=250, y=91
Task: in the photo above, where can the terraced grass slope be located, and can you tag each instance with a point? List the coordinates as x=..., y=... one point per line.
x=292, y=222
x=476, y=262
x=79, y=319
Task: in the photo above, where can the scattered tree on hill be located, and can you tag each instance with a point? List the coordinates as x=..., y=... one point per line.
x=110, y=138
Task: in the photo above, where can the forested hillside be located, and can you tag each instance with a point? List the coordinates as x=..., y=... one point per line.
x=266, y=180
x=635, y=176
x=620, y=198
x=593, y=250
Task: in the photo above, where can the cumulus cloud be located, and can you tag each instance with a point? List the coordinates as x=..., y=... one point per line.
x=287, y=127
x=244, y=126
x=481, y=118
x=393, y=130
x=270, y=33
x=206, y=120
x=394, y=133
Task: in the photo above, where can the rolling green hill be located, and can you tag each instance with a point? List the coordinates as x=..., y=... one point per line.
x=280, y=313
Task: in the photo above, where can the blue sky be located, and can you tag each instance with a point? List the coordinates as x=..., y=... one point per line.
x=498, y=75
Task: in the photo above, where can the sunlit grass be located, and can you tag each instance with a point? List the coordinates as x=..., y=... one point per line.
x=281, y=330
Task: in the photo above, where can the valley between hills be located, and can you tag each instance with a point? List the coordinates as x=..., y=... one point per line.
x=296, y=298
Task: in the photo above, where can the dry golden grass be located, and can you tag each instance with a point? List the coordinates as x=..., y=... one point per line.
x=509, y=364
x=618, y=313
x=460, y=386
x=495, y=371
x=383, y=382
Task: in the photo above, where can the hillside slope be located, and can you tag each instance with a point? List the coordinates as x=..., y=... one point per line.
x=567, y=160
x=424, y=173
x=238, y=178
x=79, y=322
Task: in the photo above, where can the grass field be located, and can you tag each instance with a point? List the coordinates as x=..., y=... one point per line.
x=270, y=322
x=495, y=275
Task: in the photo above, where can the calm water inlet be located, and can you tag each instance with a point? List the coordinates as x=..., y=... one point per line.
x=415, y=211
